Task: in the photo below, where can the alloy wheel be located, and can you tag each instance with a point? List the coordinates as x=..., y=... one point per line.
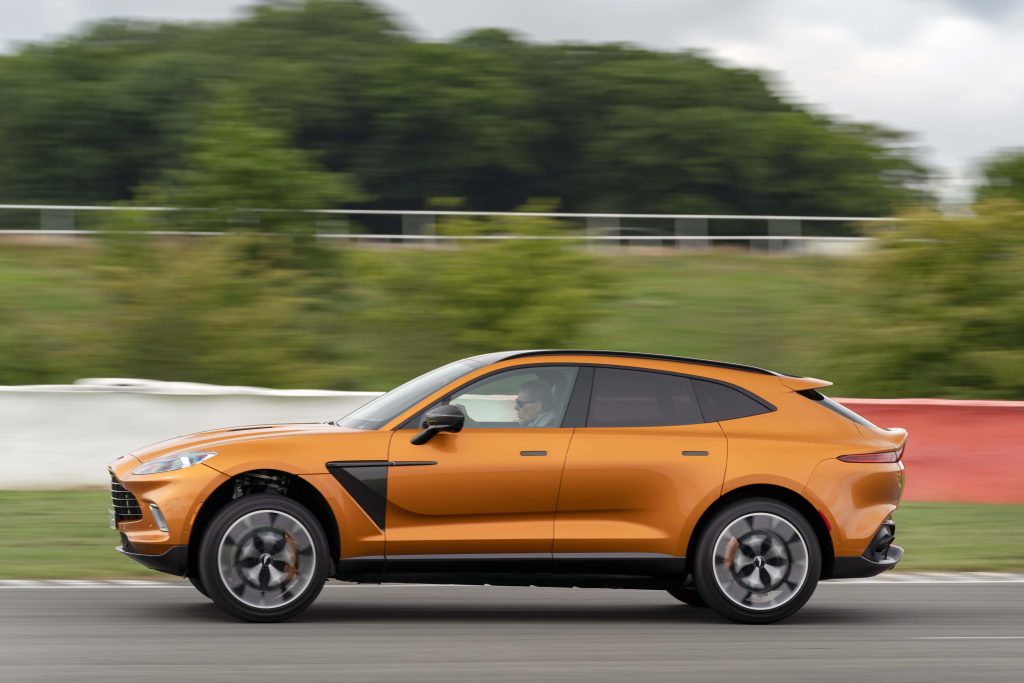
x=760, y=561
x=267, y=559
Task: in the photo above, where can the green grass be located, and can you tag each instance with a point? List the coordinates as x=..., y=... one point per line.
x=61, y=535
x=64, y=534
x=960, y=536
x=737, y=307
x=748, y=309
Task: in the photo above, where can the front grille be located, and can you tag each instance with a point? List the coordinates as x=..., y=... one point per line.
x=126, y=507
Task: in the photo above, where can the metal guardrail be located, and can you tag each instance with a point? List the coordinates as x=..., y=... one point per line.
x=691, y=231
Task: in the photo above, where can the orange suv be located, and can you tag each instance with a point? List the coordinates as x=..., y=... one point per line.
x=729, y=486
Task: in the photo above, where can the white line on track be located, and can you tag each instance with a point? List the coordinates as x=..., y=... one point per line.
x=968, y=638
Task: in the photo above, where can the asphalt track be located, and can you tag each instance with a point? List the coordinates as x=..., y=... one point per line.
x=854, y=632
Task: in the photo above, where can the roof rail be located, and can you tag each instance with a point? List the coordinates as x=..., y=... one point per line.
x=633, y=354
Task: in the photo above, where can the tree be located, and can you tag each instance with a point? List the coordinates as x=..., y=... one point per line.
x=1003, y=176
x=235, y=163
x=487, y=117
x=251, y=307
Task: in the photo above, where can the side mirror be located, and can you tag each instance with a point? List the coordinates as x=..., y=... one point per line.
x=440, y=419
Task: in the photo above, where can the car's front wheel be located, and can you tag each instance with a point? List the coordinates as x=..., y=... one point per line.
x=263, y=558
x=197, y=583
x=758, y=561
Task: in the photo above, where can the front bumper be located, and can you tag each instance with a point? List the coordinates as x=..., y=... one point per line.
x=174, y=560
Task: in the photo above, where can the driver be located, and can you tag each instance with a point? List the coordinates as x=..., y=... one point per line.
x=535, y=405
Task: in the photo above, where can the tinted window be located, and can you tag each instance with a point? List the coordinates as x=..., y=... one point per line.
x=526, y=397
x=634, y=398
x=837, y=408
x=719, y=402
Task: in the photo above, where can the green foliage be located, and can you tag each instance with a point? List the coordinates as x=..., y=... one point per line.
x=262, y=306
x=1003, y=177
x=940, y=310
x=488, y=117
x=936, y=310
x=232, y=163
x=421, y=308
x=225, y=311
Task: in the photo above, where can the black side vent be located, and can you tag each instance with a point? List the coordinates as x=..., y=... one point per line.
x=126, y=507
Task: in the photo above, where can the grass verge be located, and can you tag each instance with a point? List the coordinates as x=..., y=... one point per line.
x=64, y=535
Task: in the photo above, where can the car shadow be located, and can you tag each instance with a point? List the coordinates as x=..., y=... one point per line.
x=502, y=613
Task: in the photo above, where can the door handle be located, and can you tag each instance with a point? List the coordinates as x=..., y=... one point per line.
x=532, y=453
x=695, y=452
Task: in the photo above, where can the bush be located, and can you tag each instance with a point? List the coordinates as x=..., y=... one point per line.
x=940, y=310
x=424, y=307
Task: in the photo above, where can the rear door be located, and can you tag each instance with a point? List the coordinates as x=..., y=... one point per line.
x=639, y=468
x=491, y=488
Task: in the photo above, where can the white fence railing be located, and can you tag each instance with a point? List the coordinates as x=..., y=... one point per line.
x=774, y=233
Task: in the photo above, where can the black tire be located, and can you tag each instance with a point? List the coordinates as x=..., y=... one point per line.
x=758, y=561
x=688, y=595
x=197, y=583
x=254, y=581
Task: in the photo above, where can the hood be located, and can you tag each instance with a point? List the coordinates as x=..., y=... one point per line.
x=213, y=439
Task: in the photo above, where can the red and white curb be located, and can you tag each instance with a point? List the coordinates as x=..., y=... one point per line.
x=889, y=578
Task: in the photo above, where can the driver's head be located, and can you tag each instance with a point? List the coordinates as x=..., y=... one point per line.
x=534, y=398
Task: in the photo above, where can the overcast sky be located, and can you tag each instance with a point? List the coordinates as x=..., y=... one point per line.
x=951, y=71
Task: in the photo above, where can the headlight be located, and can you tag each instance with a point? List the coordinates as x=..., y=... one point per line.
x=175, y=461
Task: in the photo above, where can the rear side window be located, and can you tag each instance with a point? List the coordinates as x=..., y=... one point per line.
x=634, y=398
x=719, y=402
x=837, y=408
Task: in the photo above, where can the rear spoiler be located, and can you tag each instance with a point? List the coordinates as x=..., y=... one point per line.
x=804, y=383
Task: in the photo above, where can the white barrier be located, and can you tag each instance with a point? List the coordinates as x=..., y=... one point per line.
x=64, y=436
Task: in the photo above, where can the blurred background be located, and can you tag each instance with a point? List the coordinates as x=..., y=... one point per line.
x=336, y=195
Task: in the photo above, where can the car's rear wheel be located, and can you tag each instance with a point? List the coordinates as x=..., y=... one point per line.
x=758, y=561
x=263, y=558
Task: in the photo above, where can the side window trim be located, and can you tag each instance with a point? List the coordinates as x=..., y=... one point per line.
x=579, y=401
x=584, y=376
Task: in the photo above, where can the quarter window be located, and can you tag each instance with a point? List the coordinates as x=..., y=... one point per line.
x=719, y=402
x=635, y=398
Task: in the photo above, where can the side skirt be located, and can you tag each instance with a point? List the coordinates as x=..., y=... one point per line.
x=614, y=570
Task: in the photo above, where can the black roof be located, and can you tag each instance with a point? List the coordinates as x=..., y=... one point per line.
x=495, y=357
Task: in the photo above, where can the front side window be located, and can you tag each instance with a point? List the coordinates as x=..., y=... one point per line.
x=532, y=397
x=635, y=398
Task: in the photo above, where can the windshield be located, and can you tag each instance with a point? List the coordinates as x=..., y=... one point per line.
x=387, y=407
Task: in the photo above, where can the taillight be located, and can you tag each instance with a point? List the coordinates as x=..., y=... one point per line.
x=883, y=456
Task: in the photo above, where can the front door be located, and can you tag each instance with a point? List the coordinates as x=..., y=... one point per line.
x=492, y=488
